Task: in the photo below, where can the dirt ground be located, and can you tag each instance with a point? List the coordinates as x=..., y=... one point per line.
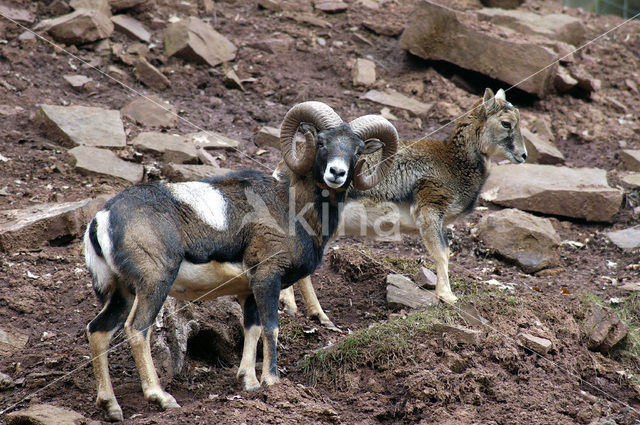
x=438, y=381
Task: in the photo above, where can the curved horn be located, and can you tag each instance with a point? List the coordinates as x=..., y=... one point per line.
x=374, y=127
x=317, y=113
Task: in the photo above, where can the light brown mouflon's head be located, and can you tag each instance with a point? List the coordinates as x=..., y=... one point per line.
x=501, y=133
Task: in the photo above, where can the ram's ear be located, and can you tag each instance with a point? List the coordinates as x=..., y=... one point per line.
x=371, y=146
x=500, y=95
x=488, y=101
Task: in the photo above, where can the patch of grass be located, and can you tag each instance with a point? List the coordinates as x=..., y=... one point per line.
x=374, y=346
x=402, y=265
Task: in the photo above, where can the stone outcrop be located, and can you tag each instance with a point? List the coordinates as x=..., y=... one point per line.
x=570, y=192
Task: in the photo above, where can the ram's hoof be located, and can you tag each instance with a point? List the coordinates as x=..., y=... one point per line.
x=447, y=297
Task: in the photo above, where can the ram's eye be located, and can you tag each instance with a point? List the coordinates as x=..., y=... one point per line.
x=506, y=124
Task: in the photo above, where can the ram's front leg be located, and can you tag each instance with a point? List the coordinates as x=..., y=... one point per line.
x=430, y=223
x=267, y=292
x=252, y=330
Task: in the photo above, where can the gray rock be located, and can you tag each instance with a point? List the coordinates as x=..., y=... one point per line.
x=363, y=72
x=151, y=111
x=174, y=148
x=38, y=224
x=82, y=125
x=569, y=192
x=231, y=80
x=117, y=73
x=21, y=16
x=80, y=82
x=130, y=26
x=195, y=40
x=435, y=32
x=79, y=27
x=630, y=159
x=124, y=4
x=535, y=343
x=150, y=75
x=460, y=334
x=542, y=128
x=540, y=150
x=268, y=136
x=45, y=414
x=28, y=40
x=471, y=315
x=630, y=286
x=11, y=341
x=632, y=180
x=626, y=238
x=191, y=172
x=504, y=4
x=331, y=6
x=425, y=278
x=525, y=239
x=6, y=383
x=101, y=161
x=563, y=81
x=214, y=329
x=101, y=6
x=398, y=100
x=555, y=26
x=604, y=329
x=585, y=81
x=213, y=140
x=402, y=292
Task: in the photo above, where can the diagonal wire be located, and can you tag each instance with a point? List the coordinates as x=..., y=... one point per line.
x=487, y=325
x=160, y=105
x=88, y=362
x=511, y=87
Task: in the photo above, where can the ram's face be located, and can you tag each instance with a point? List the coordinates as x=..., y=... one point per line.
x=501, y=136
x=338, y=150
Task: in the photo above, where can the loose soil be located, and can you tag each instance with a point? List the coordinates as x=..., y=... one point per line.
x=46, y=293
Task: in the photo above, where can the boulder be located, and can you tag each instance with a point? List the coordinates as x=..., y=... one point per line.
x=213, y=140
x=425, y=278
x=585, y=81
x=11, y=340
x=632, y=180
x=45, y=414
x=570, y=192
x=102, y=161
x=21, y=16
x=402, y=292
x=436, y=32
x=268, y=136
x=460, y=334
x=82, y=125
x=174, y=148
x=398, y=100
x=630, y=159
x=563, y=81
x=523, y=238
x=195, y=40
x=79, y=27
x=150, y=75
x=535, y=343
x=626, y=238
x=130, y=26
x=151, y=111
x=124, y=4
x=604, y=329
x=554, y=26
x=45, y=223
x=191, y=172
x=363, y=72
x=540, y=150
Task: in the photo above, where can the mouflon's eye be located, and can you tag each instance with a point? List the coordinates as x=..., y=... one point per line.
x=506, y=124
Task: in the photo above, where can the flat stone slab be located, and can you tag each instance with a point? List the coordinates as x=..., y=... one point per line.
x=124, y=4
x=540, y=150
x=132, y=27
x=626, y=238
x=535, y=343
x=150, y=75
x=632, y=180
x=402, y=292
x=19, y=15
x=31, y=227
x=523, y=238
x=194, y=40
x=363, y=72
x=425, y=278
x=604, y=329
x=268, y=136
x=45, y=414
x=630, y=159
x=398, y=100
x=213, y=140
x=173, y=147
x=102, y=161
x=460, y=334
x=79, y=27
x=191, y=172
x=11, y=341
x=83, y=125
x=151, y=112
x=436, y=32
x=570, y=192
x=555, y=26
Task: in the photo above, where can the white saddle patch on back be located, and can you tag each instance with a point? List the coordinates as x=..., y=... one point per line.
x=207, y=201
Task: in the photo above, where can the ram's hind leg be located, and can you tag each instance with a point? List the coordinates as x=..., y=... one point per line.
x=314, y=309
x=99, y=332
x=147, y=304
x=288, y=300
